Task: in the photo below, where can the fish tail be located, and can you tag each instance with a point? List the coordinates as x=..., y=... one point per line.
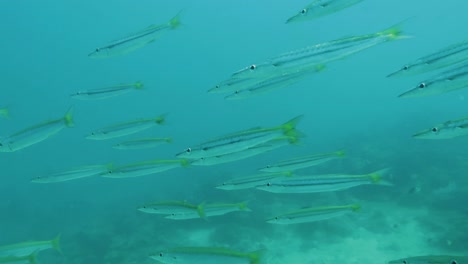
x=355, y=207
x=175, y=21
x=294, y=136
x=160, y=120
x=395, y=32
x=291, y=124
x=56, y=244
x=320, y=67
x=201, y=210
x=68, y=118
x=243, y=206
x=5, y=112
x=377, y=177
x=33, y=258
x=341, y=153
x=138, y=85
x=255, y=257
x=168, y=140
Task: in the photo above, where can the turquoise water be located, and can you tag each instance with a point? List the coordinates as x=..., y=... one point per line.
x=350, y=106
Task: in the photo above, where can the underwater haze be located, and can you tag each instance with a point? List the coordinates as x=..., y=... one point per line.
x=349, y=104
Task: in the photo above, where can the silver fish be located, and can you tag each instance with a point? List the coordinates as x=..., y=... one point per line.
x=239, y=141
x=450, y=80
x=319, y=8
x=447, y=130
x=107, y=92
x=302, y=162
x=313, y=214
x=432, y=259
x=439, y=59
x=135, y=41
x=322, y=183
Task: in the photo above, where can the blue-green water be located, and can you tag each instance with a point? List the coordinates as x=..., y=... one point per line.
x=350, y=106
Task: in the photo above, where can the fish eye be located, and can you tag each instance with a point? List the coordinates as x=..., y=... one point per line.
x=303, y=11
x=236, y=92
x=405, y=67
x=453, y=262
x=268, y=166
x=160, y=254
x=1, y=145
x=97, y=50
x=276, y=218
x=422, y=85
x=253, y=67
x=435, y=129
x=268, y=184
x=405, y=262
x=188, y=150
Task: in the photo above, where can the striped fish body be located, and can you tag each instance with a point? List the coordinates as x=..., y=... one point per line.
x=249, y=182
x=448, y=56
x=320, y=8
x=107, y=92
x=143, y=168
x=134, y=41
x=447, y=130
x=315, y=183
x=35, y=134
x=124, y=129
x=453, y=79
x=313, y=214
x=302, y=162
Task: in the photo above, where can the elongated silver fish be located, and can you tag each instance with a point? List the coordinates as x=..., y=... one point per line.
x=135, y=41
x=244, y=154
x=313, y=214
x=319, y=54
x=439, y=59
x=239, y=141
x=144, y=168
x=35, y=134
x=73, y=174
x=107, y=92
x=322, y=183
x=206, y=255
x=29, y=248
x=302, y=162
x=432, y=259
x=126, y=128
x=142, y=143
x=31, y=259
x=210, y=210
x=320, y=8
x=4, y=112
x=233, y=84
x=450, y=129
x=272, y=83
x=172, y=208
x=450, y=80
x=250, y=181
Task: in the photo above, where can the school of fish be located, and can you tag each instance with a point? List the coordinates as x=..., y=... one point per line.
x=447, y=70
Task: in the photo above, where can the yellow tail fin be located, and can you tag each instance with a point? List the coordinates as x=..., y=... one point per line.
x=68, y=118
x=175, y=21
x=56, y=244
x=138, y=85
x=5, y=112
